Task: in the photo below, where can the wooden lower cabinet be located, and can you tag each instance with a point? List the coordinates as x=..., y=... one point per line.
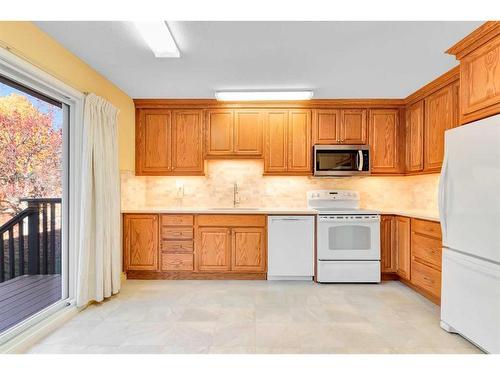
x=231, y=244
x=213, y=250
x=248, y=249
x=140, y=242
x=411, y=252
x=403, y=245
x=388, y=260
x=195, y=246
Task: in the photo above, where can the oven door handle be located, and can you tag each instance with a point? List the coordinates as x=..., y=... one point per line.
x=360, y=160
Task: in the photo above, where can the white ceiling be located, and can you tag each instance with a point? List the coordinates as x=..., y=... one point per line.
x=335, y=59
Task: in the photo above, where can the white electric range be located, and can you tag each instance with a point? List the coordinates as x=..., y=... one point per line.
x=348, y=238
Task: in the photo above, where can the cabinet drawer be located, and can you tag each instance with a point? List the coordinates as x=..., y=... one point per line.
x=172, y=233
x=177, y=246
x=426, y=277
x=429, y=228
x=185, y=220
x=426, y=250
x=176, y=262
x=231, y=220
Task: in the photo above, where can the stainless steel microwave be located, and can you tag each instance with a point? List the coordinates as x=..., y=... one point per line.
x=341, y=160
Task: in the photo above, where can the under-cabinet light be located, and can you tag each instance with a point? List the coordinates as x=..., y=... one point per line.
x=158, y=37
x=263, y=95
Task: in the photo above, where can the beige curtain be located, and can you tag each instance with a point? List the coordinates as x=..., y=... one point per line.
x=99, y=254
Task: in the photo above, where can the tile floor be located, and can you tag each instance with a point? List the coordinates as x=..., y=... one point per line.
x=257, y=317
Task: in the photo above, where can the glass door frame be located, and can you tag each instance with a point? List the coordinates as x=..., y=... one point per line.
x=19, y=70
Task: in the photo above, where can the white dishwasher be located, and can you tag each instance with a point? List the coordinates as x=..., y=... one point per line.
x=290, y=247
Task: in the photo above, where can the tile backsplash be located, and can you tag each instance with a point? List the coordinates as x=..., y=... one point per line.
x=215, y=189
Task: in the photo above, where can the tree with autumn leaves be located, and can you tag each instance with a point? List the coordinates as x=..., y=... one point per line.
x=30, y=154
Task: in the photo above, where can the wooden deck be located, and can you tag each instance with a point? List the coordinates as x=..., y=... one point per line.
x=25, y=296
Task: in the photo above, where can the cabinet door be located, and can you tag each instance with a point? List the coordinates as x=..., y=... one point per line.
x=276, y=141
x=384, y=139
x=326, y=126
x=387, y=248
x=353, y=127
x=219, y=132
x=415, y=137
x=480, y=82
x=248, y=132
x=213, y=251
x=299, y=141
x=248, y=250
x=187, y=145
x=439, y=115
x=140, y=242
x=402, y=241
x=153, y=140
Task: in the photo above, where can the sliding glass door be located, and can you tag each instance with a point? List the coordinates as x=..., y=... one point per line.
x=33, y=127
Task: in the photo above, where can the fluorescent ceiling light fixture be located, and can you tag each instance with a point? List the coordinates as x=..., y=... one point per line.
x=158, y=37
x=263, y=95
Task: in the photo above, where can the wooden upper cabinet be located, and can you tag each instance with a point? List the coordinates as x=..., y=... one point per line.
x=299, y=141
x=248, y=132
x=415, y=137
x=479, y=55
x=388, y=260
x=248, y=250
x=326, y=126
x=275, y=141
x=140, y=242
x=153, y=142
x=234, y=133
x=219, y=132
x=384, y=141
x=213, y=249
x=439, y=116
x=339, y=126
x=187, y=145
x=353, y=127
x=402, y=244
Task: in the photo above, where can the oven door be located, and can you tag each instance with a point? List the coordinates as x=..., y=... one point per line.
x=341, y=160
x=345, y=237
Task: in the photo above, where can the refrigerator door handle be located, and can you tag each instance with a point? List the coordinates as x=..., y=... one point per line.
x=442, y=196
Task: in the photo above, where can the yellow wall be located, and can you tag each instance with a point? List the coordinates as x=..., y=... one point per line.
x=32, y=44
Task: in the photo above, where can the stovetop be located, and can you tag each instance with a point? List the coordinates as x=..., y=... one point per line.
x=345, y=211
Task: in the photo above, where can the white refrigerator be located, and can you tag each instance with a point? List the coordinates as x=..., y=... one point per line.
x=469, y=207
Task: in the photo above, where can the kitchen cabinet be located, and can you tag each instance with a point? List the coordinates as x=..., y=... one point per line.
x=213, y=249
x=248, y=249
x=415, y=137
x=177, y=247
x=353, y=127
x=388, y=256
x=140, y=242
x=187, y=142
x=299, y=141
x=402, y=244
x=479, y=55
x=153, y=142
x=234, y=133
x=426, y=257
x=339, y=126
x=231, y=244
x=287, y=137
x=439, y=116
x=385, y=136
x=169, y=142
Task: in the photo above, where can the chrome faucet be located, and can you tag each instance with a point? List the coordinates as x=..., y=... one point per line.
x=236, y=194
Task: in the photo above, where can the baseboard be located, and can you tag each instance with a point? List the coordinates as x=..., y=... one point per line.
x=290, y=278
x=179, y=275
x=386, y=276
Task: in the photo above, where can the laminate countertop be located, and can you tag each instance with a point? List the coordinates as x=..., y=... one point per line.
x=417, y=214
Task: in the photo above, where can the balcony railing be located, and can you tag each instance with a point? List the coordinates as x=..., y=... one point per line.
x=30, y=242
